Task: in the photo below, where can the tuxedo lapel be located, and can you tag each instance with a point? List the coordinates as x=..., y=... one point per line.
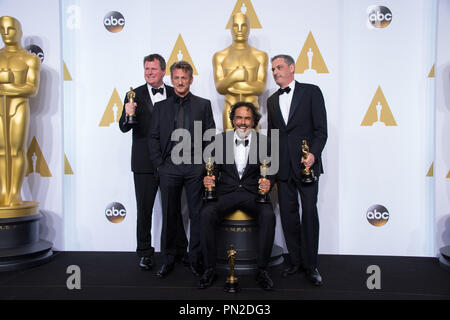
x=252, y=152
x=298, y=92
x=278, y=109
x=168, y=108
x=147, y=100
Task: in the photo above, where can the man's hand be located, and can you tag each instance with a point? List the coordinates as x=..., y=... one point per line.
x=309, y=161
x=208, y=181
x=264, y=185
x=130, y=108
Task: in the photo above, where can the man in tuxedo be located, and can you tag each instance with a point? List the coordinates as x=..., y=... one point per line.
x=297, y=110
x=237, y=186
x=180, y=114
x=145, y=181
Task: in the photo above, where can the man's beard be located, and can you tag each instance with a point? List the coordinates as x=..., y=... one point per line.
x=241, y=134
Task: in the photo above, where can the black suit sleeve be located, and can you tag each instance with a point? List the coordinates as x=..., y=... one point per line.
x=123, y=125
x=209, y=118
x=319, y=118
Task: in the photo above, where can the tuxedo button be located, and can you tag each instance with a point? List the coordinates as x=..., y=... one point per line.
x=240, y=186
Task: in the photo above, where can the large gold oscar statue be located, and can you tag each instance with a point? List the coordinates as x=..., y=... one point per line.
x=240, y=70
x=20, y=246
x=19, y=80
x=240, y=73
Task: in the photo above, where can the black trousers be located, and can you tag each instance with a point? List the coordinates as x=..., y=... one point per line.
x=213, y=213
x=146, y=187
x=172, y=180
x=302, y=237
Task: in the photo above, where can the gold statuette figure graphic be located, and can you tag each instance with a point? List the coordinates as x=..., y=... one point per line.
x=240, y=71
x=263, y=195
x=19, y=80
x=232, y=284
x=131, y=95
x=308, y=175
x=210, y=192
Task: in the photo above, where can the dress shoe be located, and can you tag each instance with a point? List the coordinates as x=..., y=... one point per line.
x=314, y=277
x=264, y=281
x=292, y=270
x=165, y=270
x=196, y=269
x=207, y=279
x=146, y=263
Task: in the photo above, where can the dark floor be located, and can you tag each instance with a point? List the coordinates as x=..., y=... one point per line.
x=115, y=275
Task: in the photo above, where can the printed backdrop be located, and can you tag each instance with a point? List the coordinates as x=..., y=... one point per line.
x=382, y=67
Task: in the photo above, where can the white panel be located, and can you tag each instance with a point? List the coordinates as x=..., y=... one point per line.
x=442, y=163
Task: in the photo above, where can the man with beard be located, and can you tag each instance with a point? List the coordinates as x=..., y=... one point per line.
x=237, y=188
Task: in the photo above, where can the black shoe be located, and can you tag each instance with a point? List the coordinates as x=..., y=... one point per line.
x=292, y=270
x=207, y=279
x=314, y=277
x=263, y=279
x=146, y=263
x=196, y=269
x=165, y=270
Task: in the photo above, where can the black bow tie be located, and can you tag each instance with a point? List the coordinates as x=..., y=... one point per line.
x=281, y=91
x=241, y=141
x=160, y=90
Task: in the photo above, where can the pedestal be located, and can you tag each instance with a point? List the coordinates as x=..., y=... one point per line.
x=20, y=246
x=243, y=234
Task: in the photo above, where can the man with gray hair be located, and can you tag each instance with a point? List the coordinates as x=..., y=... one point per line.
x=297, y=110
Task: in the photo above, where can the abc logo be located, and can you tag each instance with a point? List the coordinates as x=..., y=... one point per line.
x=115, y=212
x=114, y=21
x=379, y=16
x=377, y=215
x=36, y=50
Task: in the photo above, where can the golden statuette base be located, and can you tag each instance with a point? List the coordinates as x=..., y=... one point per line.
x=27, y=208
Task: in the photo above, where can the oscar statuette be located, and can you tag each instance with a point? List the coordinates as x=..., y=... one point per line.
x=307, y=173
x=131, y=118
x=210, y=192
x=232, y=284
x=263, y=196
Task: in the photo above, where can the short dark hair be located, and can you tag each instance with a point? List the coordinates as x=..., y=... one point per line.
x=184, y=65
x=287, y=58
x=251, y=106
x=155, y=56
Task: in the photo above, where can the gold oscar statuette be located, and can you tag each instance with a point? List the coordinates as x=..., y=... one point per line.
x=240, y=70
x=131, y=118
x=19, y=80
x=232, y=284
x=263, y=196
x=210, y=192
x=307, y=173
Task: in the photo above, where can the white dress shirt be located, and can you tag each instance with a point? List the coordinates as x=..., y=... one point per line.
x=241, y=154
x=157, y=97
x=285, y=100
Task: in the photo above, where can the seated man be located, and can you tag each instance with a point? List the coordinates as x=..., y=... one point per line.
x=238, y=181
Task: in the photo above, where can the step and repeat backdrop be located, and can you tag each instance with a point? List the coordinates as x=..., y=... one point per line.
x=384, y=70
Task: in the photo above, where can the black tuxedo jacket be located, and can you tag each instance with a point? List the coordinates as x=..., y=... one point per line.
x=307, y=121
x=163, y=124
x=225, y=170
x=140, y=152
